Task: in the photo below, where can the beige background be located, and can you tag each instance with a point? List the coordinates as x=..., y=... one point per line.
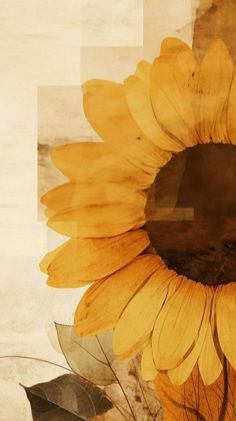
x=47, y=49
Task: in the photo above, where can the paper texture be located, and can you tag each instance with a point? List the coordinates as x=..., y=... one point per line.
x=47, y=50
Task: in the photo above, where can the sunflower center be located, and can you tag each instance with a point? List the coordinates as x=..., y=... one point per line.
x=191, y=213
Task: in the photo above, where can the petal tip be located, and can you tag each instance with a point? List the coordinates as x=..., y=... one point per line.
x=172, y=45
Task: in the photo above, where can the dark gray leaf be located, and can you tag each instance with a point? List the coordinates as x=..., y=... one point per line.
x=66, y=398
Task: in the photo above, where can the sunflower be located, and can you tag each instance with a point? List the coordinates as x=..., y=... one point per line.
x=163, y=109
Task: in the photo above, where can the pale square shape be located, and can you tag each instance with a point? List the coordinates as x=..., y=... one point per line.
x=160, y=20
x=111, y=22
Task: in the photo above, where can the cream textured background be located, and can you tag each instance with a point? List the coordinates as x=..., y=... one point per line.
x=47, y=48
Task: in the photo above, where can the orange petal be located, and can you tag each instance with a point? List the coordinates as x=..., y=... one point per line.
x=106, y=108
x=226, y=321
x=214, y=81
x=172, y=46
x=180, y=317
x=107, y=111
x=76, y=160
x=172, y=80
x=71, y=196
x=148, y=369
x=181, y=373
x=145, y=157
x=101, y=221
x=49, y=257
x=137, y=90
x=83, y=260
x=138, y=318
x=209, y=362
x=102, y=304
x=93, y=162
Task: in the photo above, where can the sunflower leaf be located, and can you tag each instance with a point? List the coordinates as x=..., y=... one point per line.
x=66, y=398
x=90, y=357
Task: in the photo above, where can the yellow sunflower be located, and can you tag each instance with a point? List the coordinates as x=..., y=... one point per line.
x=166, y=107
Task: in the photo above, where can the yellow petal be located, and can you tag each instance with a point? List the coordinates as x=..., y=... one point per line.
x=83, y=260
x=101, y=221
x=209, y=362
x=180, y=317
x=136, y=348
x=172, y=46
x=102, y=304
x=148, y=369
x=93, y=162
x=137, y=90
x=146, y=157
x=137, y=320
x=75, y=230
x=106, y=109
x=49, y=212
x=214, y=81
x=49, y=257
x=143, y=70
x=71, y=196
x=231, y=121
x=76, y=160
x=226, y=321
x=172, y=80
x=180, y=374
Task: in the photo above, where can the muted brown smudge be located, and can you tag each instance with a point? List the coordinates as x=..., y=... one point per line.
x=215, y=19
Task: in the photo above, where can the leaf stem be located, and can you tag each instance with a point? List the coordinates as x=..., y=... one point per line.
x=142, y=391
x=26, y=357
x=118, y=381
